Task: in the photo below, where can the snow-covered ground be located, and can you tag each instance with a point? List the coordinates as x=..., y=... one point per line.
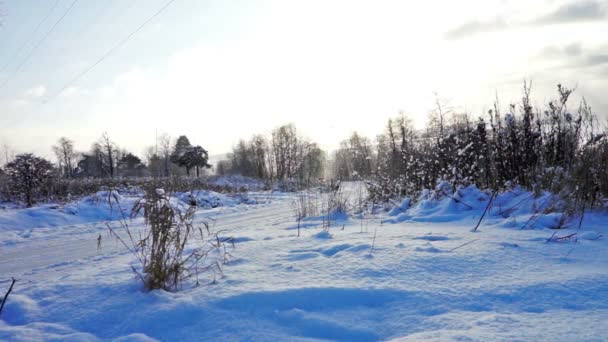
x=412, y=274
x=237, y=182
x=39, y=221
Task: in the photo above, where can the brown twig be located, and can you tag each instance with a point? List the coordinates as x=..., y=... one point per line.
x=457, y=200
x=503, y=211
x=580, y=222
x=485, y=211
x=564, y=238
x=551, y=238
x=371, y=250
x=537, y=214
x=464, y=244
x=10, y=289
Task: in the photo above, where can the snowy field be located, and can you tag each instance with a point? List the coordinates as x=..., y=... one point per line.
x=409, y=274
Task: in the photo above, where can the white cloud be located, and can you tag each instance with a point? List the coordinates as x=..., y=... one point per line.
x=37, y=91
x=329, y=67
x=72, y=92
x=19, y=103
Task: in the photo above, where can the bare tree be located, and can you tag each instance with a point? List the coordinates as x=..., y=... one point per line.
x=110, y=151
x=64, y=151
x=8, y=153
x=354, y=158
x=285, y=150
x=164, y=152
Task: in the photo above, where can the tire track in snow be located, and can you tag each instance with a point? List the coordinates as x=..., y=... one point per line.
x=41, y=255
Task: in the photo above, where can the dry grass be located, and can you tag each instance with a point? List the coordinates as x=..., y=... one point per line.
x=170, y=248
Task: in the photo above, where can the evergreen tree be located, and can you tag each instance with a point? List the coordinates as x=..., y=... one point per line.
x=130, y=165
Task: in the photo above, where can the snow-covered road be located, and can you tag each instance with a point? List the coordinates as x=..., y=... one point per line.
x=49, y=247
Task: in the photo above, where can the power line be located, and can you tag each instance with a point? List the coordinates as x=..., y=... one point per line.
x=102, y=11
x=103, y=57
x=27, y=57
x=111, y=50
x=27, y=41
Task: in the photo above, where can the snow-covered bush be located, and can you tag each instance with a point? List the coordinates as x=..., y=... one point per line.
x=555, y=150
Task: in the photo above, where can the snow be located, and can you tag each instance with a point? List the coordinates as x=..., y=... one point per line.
x=19, y=224
x=427, y=277
x=237, y=182
x=590, y=235
x=401, y=208
x=211, y=199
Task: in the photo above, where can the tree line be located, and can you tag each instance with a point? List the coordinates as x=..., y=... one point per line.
x=107, y=160
x=27, y=177
x=558, y=148
x=284, y=156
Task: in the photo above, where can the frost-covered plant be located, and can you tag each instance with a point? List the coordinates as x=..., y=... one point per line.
x=558, y=149
x=305, y=204
x=333, y=205
x=164, y=248
x=328, y=205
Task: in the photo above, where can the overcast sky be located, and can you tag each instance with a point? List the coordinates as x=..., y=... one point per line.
x=222, y=70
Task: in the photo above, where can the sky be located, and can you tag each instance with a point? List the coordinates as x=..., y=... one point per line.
x=218, y=71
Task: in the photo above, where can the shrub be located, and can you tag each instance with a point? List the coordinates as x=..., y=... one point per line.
x=555, y=149
x=163, y=248
x=57, y=189
x=29, y=177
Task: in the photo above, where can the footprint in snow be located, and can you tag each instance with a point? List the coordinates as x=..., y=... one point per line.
x=591, y=235
x=302, y=256
x=432, y=238
x=323, y=235
x=428, y=249
x=360, y=248
x=333, y=250
x=240, y=239
x=291, y=269
x=238, y=261
x=330, y=251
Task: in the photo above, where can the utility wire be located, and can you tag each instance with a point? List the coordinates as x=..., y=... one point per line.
x=111, y=50
x=102, y=11
x=102, y=58
x=27, y=57
x=27, y=41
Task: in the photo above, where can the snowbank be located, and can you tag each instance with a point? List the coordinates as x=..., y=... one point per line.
x=18, y=223
x=516, y=208
x=92, y=208
x=238, y=182
x=212, y=199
